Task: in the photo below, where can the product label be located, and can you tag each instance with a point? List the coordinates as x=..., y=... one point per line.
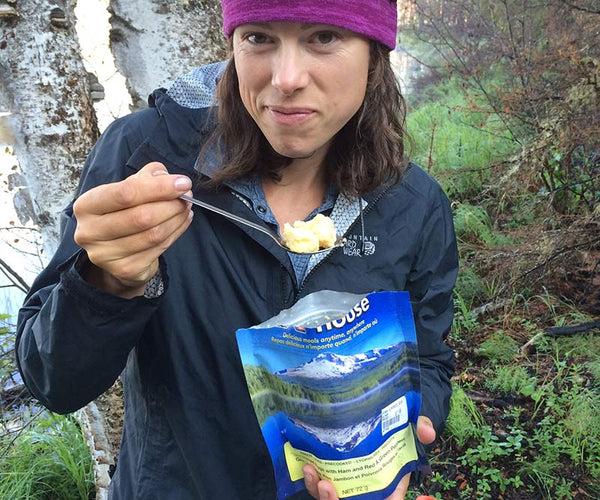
x=372, y=472
x=339, y=390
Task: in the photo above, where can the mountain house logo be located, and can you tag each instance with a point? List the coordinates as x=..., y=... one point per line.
x=353, y=247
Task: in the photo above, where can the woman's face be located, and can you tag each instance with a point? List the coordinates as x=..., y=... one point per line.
x=300, y=82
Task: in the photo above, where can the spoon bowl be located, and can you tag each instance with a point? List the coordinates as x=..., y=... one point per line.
x=339, y=242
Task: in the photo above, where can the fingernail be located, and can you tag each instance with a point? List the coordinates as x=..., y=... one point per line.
x=324, y=496
x=183, y=183
x=160, y=172
x=191, y=215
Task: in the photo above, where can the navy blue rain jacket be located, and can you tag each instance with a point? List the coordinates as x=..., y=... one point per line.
x=190, y=428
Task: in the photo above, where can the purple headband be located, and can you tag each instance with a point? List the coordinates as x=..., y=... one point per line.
x=375, y=19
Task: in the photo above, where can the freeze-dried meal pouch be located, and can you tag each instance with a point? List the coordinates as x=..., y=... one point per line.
x=335, y=383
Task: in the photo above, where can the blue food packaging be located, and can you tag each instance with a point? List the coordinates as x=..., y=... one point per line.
x=335, y=383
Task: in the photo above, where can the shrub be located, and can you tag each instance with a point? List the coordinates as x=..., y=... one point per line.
x=469, y=286
x=464, y=420
x=49, y=460
x=512, y=380
x=498, y=347
x=456, y=144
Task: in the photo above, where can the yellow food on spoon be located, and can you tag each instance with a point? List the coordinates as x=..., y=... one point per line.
x=299, y=238
x=304, y=237
x=324, y=228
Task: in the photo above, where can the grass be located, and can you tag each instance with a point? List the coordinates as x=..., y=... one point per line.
x=473, y=225
x=50, y=460
x=456, y=144
x=532, y=429
x=498, y=347
x=464, y=420
x=545, y=442
x=513, y=379
x=470, y=287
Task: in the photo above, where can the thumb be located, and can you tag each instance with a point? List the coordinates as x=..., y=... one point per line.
x=153, y=168
x=425, y=430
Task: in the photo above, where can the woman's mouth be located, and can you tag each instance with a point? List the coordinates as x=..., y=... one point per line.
x=290, y=116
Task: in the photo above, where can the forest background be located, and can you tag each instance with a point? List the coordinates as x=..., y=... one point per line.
x=504, y=110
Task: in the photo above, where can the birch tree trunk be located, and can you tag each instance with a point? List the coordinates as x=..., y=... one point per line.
x=155, y=41
x=44, y=83
x=53, y=120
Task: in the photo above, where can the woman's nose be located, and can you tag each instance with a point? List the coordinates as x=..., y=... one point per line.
x=289, y=71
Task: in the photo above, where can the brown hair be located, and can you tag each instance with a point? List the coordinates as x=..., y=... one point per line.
x=369, y=151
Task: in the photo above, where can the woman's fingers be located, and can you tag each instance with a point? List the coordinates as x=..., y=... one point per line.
x=311, y=480
x=156, y=236
x=141, y=266
x=401, y=489
x=425, y=430
x=324, y=490
x=318, y=488
x=152, y=183
x=127, y=222
x=125, y=226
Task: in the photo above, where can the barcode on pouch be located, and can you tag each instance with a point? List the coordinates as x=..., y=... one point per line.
x=394, y=415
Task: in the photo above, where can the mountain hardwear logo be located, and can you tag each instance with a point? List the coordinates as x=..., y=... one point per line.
x=354, y=246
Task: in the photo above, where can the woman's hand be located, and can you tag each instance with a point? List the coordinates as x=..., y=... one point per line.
x=324, y=490
x=125, y=226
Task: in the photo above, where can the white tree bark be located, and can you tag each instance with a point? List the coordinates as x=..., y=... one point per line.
x=53, y=125
x=53, y=120
x=155, y=41
x=43, y=83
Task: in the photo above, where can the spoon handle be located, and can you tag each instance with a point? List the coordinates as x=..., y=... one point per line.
x=229, y=215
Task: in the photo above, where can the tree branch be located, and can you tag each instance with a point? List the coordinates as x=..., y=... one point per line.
x=14, y=277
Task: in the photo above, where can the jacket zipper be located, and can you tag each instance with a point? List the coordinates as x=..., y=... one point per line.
x=370, y=207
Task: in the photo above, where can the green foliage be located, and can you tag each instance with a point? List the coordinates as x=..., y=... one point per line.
x=594, y=368
x=455, y=142
x=473, y=224
x=464, y=420
x=524, y=210
x=50, y=460
x=512, y=379
x=481, y=460
x=469, y=286
x=498, y=347
x=464, y=321
x=582, y=427
x=570, y=429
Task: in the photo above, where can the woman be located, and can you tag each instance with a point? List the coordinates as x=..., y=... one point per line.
x=309, y=121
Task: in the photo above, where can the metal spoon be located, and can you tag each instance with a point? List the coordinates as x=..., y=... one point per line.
x=339, y=242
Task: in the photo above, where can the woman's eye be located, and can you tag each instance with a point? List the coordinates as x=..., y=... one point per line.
x=257, y=38
x=325, y=37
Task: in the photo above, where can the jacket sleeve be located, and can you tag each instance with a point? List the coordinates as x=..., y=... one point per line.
x=72, y=339
x=431, y=284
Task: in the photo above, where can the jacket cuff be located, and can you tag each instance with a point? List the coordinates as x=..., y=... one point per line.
x=431, y=410
x=435, y=403
x=99, y=301
x=155, y=286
